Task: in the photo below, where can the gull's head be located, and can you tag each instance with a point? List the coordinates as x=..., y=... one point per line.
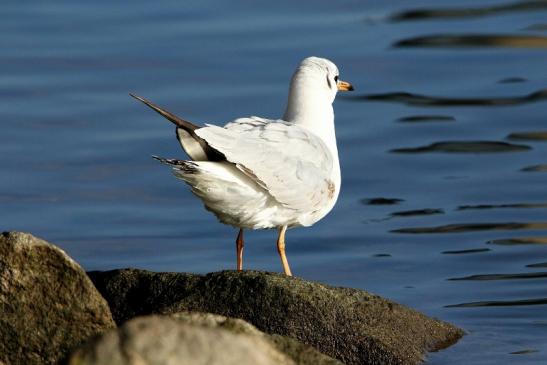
x=318, y=78
x=313, y=88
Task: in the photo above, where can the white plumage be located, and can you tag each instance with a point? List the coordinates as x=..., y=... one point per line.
x=258, y=173
x=290, y=167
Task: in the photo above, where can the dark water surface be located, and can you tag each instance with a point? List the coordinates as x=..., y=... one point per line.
x=443, y=146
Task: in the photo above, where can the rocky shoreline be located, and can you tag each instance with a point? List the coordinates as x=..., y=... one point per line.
x=52, y=312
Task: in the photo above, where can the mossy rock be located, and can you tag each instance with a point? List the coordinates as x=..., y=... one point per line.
x=350, y=325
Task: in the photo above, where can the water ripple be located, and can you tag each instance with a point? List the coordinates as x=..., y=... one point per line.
x=471, y=250
x=529, y=136
x=427, y=100
x=539, y=264
x=473, y=227
x=381, y=201
x=500, y=303
x=465, y=147
x=482, y=277
x=535, y=168
x=426, y=118
x=417, y=212
x=524, y=352
x=474, y=40
x=426, y=14
x=512, y=80
x=537, y=27
x=519, y=241
x=502, y=206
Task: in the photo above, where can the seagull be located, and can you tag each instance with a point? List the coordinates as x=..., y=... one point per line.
x=258, y=173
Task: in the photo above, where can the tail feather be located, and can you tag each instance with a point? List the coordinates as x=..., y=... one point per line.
x=196, y=147
x=179, y=122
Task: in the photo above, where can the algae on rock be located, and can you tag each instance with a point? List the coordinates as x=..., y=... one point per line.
x=350, y=325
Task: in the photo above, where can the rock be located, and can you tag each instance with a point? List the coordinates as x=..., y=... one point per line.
x=350, y=325
x=158, y=340
x=301, y=354
x=48, y=305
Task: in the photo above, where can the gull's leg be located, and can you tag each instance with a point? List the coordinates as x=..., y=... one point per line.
x=239, y=249
x=281, y=250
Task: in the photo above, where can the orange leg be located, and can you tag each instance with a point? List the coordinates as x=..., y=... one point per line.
x=239, y=249
x=281, y=250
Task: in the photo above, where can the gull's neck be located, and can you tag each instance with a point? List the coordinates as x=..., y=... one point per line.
x=312, y=109
x=318, y=120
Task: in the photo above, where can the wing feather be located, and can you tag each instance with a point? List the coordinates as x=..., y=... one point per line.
x=293, y=164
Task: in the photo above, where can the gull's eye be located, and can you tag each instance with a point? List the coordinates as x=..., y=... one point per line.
x=336, y=78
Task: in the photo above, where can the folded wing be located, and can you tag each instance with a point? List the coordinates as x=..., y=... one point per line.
x=291, y=163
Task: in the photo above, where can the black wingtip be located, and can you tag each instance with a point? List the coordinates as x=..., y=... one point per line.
x=179, y=122
x=140, y=98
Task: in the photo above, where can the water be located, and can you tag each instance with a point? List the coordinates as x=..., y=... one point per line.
x=448, y=119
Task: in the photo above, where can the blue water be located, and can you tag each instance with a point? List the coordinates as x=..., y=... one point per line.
x=75, y=148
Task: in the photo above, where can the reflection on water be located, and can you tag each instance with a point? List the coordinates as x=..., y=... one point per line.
x=538, y=27
x=473, y=227
x=382, y=201
x=519, y=241
x=524, y=352
x=381, y=255
x=417, y=212
x=465, y=147
x=460, y=252
x=529, y=136
x=527, y=275
x=500, y=303
x=424, y=14
x=426, y=118
x=535, y=168
x=474, y=40
x=503, y=206
x=512, y=80
x=424, y=100
x=539, y=264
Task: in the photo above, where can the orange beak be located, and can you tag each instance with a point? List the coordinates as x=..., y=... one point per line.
x=344, y=86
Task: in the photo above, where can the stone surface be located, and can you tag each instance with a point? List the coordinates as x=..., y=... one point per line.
x=350, y=325
x=48, y=305
x=300, y=353
x=166, y=340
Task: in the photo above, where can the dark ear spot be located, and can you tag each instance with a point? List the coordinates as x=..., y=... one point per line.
x=328, y=82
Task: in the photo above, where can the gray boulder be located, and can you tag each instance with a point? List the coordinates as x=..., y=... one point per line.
x=301, y=354
x=164, y=340
x=48, y=305
x=350, y=325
